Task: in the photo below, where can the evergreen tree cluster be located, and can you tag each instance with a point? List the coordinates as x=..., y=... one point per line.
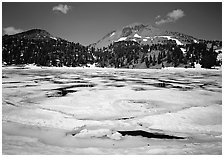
x=44, y=50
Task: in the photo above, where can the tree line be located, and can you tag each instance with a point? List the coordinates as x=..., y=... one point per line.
x=124, y=54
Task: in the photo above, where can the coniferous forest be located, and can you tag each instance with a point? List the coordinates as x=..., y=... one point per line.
x=40, y=48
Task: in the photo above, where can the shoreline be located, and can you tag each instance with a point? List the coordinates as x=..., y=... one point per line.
x=31, y=66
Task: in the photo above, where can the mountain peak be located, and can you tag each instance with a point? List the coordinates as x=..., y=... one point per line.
x=136, y=25
x=143, y=34
x=35, y=31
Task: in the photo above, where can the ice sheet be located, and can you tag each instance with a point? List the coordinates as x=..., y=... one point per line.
x=82, y=110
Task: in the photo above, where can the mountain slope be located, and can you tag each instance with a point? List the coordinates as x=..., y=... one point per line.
x=35, y=34
x=143, y=34
x=39, y=47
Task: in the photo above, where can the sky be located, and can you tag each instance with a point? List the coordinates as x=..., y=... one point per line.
x=87, y=22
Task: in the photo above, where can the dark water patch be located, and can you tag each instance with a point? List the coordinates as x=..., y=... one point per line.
x=138, y=101
x=213, y=90
x=60, y=93
x=12, y=87
x=75, y=86
x=211, y=75
x=125, y=118
x=145, y=78
x=209, y=84
x=101, y=76
x=10, y=103
x=75, y=78
x=118, y=80
x=63, y=91
x=79, y=85
x=182, y=88
x=139, y=89
x=148, y=134
x=115, y=85
x=20, y=68
x=139, y=82
x=67, y=82
x=174, y=81
x=11, y=82
x=30, y=85
x=22, y=73
x=162, y=85
x=42, y=79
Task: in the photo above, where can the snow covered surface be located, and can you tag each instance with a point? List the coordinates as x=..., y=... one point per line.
x=122, y=39
x=195, y=41
x=171, y=38
x=133, y=39
x=217, y=50
x=53, y=38
x=112, y=34
x=219, y=57
x=197, y=65
x=183, y=50
x=81, y=110
x=91, y=65
x=145, y=39
x=137, y=36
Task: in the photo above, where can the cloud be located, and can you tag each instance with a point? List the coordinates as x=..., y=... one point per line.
x=11, y=30
x=62, y=8
x=171, y=17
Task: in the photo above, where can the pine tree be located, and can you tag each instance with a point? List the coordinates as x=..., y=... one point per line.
x=154, y=60
x=159, y=58
x=208, y=58
x=147, y=62
x=169, y=59
x=150, y=59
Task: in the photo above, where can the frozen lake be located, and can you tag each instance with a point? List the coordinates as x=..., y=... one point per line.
x=111, y=111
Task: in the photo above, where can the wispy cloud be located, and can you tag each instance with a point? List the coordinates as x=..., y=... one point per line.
x=171, y=17
x=11, y=30
x=62, y=8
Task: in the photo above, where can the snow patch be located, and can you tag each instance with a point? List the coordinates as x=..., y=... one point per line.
x=183, y=50
x=145, y=39
x=170, y=38
x=112, y=34
x=115, y=136
x=133, y=39
x=53, y=38
x=217, y=50
x=122, y=39
x=91, y=65
x=195, y=41
x=32, y=66
x=219, y=57
x=137, y=36
x=197, y=65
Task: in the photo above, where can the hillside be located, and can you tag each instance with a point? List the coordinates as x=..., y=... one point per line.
x=39, y=47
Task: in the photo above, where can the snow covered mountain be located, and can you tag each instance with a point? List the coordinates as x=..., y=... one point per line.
x=143, y=34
